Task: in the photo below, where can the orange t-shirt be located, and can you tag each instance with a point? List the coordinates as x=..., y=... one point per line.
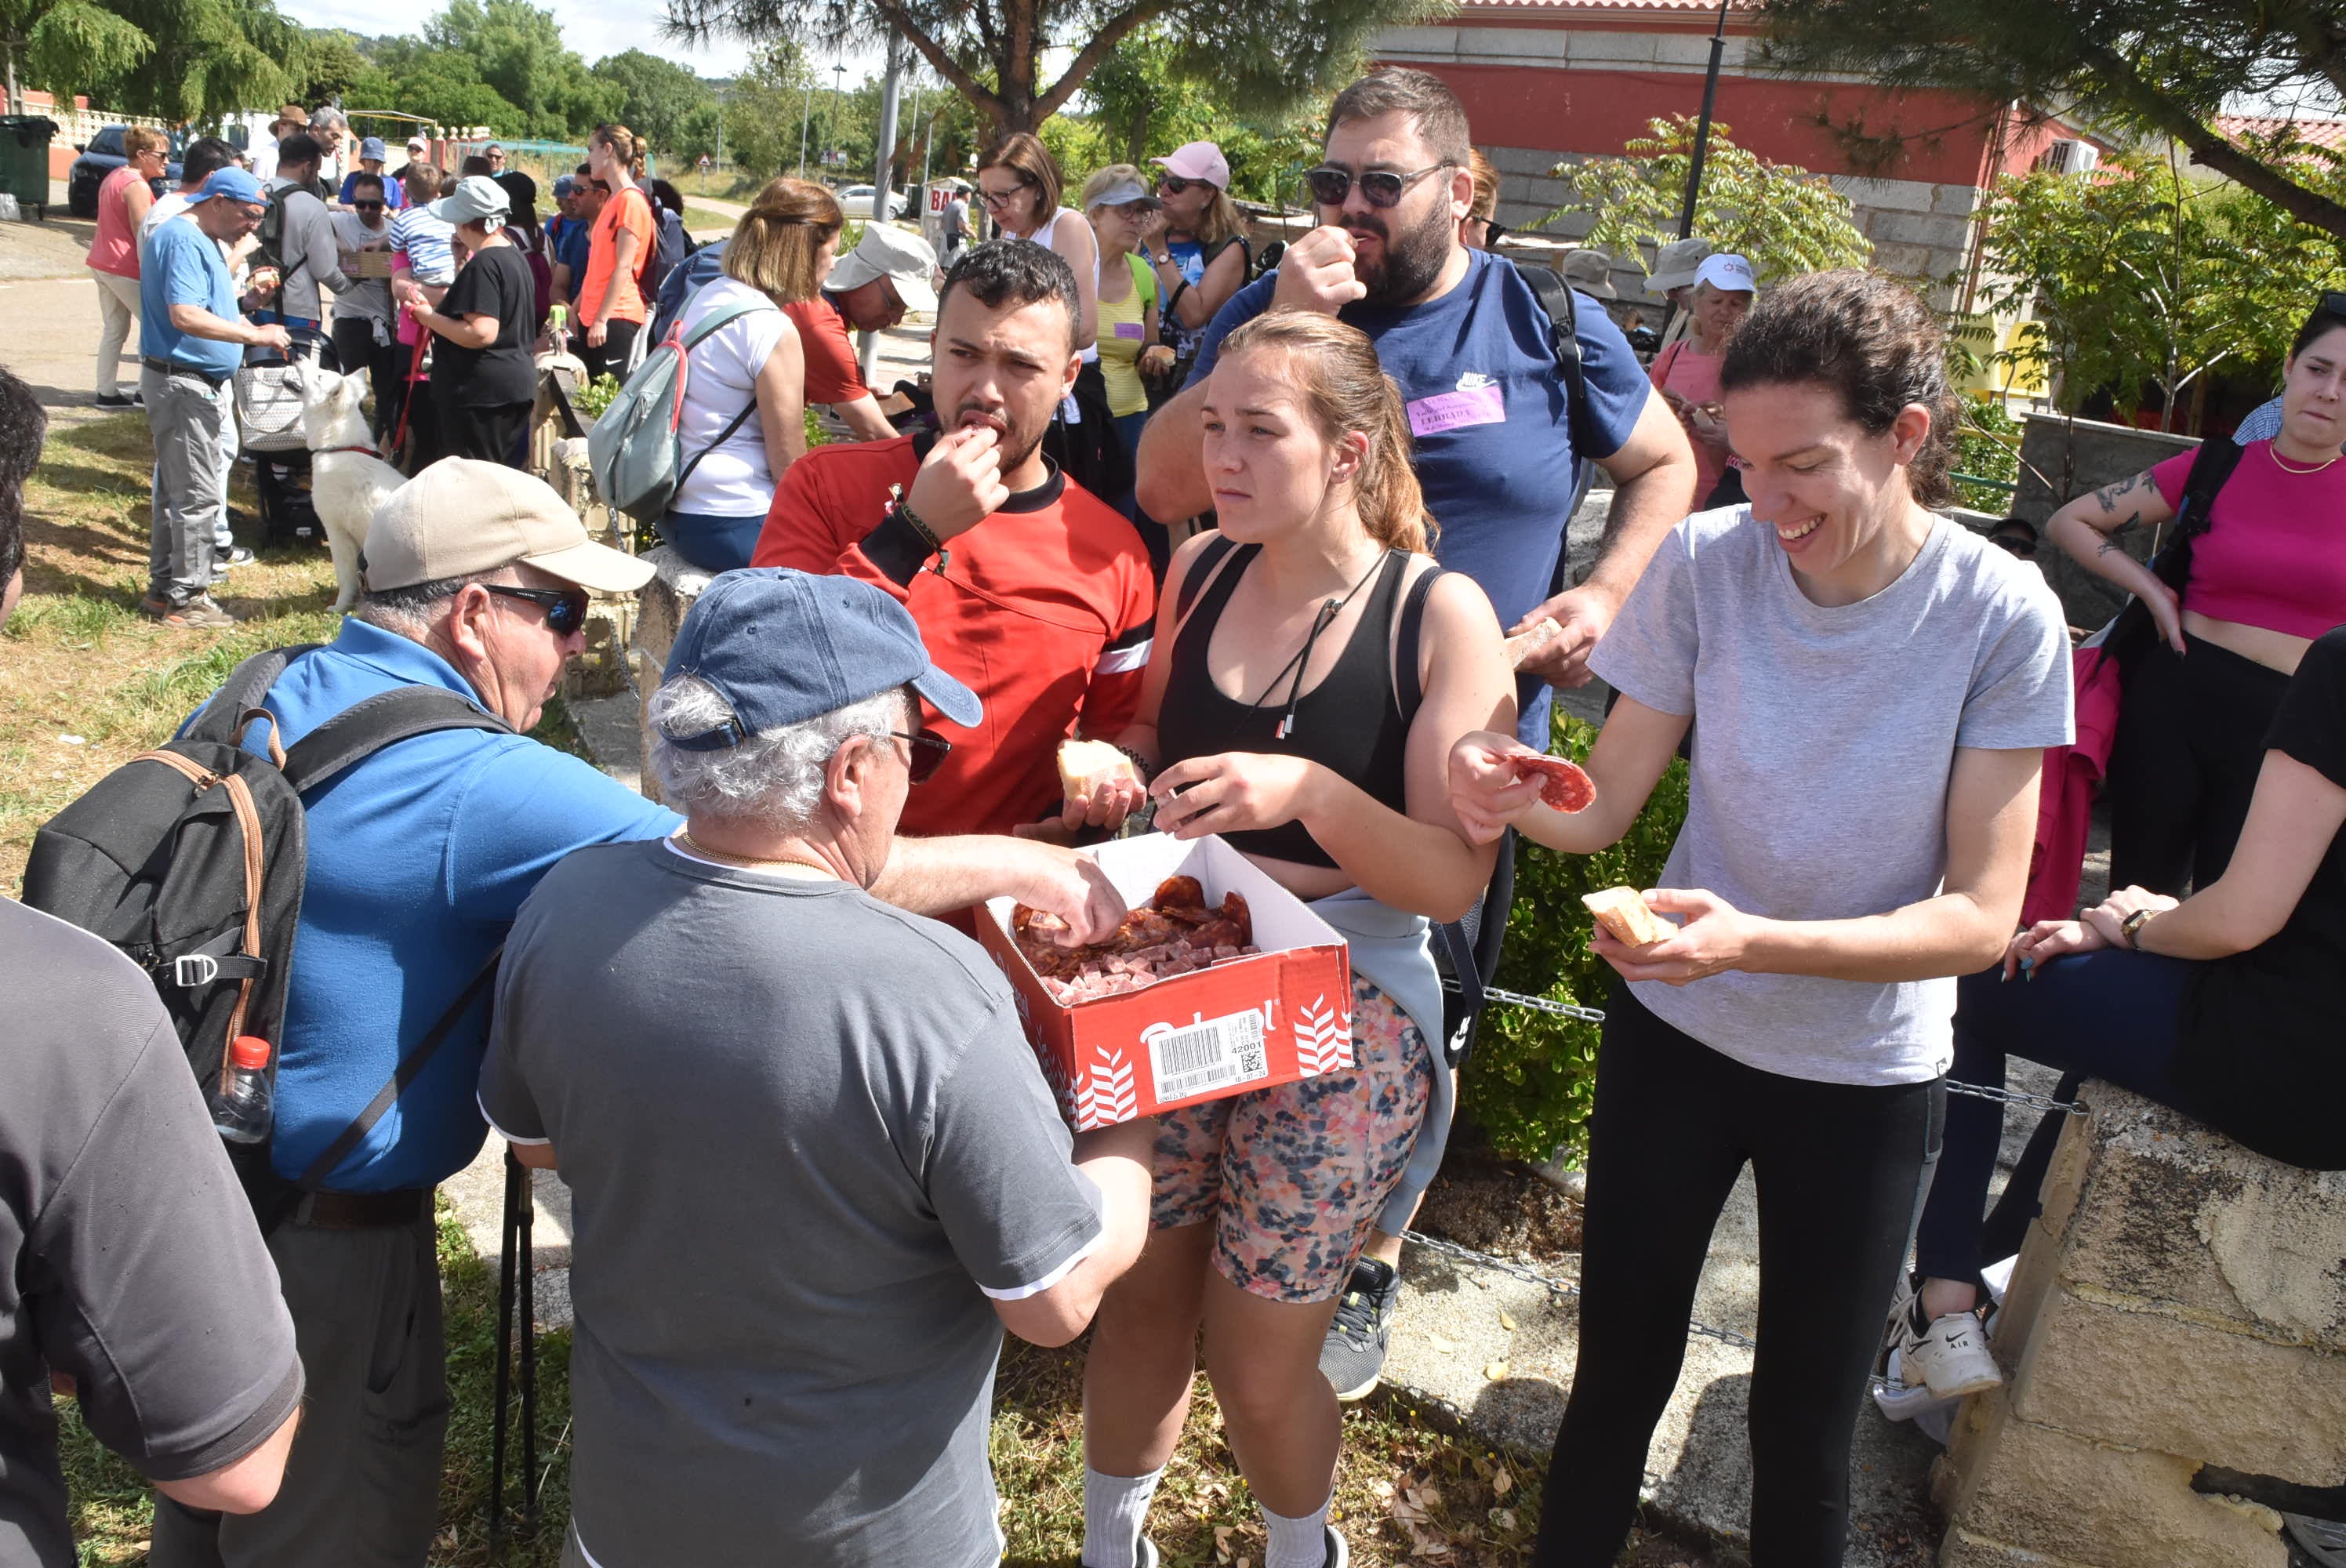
x=631, y=209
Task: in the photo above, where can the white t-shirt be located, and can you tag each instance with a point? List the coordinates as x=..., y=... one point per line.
x=734, y=479
x=1824, y=740
x=1048, y=236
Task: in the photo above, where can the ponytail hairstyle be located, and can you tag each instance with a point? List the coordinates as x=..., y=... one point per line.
x=1870, y=340
x=625, y=144
x=1334, y=367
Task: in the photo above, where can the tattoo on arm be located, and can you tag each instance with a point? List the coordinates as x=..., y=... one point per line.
x=2110, y=540
x=2106, y=497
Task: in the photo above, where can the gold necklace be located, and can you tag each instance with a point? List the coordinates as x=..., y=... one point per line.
x=2274, y=448
x=725, y=857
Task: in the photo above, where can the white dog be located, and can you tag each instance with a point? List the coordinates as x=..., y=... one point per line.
x=347, y=480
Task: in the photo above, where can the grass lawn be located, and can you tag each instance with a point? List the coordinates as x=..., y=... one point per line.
x=86, y=683
x=700, y=220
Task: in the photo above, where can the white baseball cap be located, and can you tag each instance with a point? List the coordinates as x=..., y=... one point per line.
x=417, y=144
x=1726, y=272
x=888, y=251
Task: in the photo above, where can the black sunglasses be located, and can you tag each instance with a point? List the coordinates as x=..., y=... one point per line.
x=566, y=608
x=1493, y=233
x=368, y=206
x=1173, y=185
x=2333, y=302
x=1383, y=187
x=928, y=754
x=2024, y=548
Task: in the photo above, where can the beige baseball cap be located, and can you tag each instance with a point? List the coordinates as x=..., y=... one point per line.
x=462, y=515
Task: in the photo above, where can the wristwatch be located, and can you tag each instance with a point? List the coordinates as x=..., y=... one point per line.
x=1164, y=260
x=2132, y=924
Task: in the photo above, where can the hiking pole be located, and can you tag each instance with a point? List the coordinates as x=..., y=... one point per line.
x=502, y=1383
x=525, y=1221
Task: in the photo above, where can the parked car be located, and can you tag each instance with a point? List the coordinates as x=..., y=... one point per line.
x=101, y=157
x=856, y=202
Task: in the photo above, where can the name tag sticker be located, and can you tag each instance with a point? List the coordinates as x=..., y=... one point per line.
x=1127, y=329
x=1456, y=410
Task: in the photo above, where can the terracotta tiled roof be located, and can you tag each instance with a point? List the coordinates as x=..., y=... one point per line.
x=2317, y=132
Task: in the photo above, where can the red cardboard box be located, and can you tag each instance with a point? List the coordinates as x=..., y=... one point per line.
x=1246, y=1023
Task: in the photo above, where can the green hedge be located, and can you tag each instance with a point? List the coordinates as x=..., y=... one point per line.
x=1532, y=1079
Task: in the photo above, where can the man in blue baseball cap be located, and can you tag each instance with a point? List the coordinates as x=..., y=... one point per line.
x=817, y=1169
x=193, y=336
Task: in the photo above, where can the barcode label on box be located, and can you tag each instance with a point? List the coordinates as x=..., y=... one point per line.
x=1212, y=1054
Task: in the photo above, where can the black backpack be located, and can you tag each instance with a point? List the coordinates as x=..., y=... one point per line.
x=2131, y=633
x=190, y=858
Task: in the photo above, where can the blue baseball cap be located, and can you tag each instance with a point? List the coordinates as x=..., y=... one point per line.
x=564, y=184
x=783, y=647
x=372, y=148
x=236, y=184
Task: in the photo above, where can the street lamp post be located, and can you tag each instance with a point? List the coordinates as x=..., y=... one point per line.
x=806, y=112
x=1702, y=125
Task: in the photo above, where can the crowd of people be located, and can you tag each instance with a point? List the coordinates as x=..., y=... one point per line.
x=754, y=1010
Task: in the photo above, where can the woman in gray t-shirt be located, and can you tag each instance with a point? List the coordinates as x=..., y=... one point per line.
x=1875, y=685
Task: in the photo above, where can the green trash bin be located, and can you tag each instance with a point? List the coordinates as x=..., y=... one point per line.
x=25, y=160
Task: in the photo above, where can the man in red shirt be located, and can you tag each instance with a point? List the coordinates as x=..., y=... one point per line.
x=1028, y=590
x=869, y=289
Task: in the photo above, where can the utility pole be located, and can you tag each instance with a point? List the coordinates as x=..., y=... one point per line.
x=1702, y=125
x=883, y=155
x=838, y=76
x=806, y=112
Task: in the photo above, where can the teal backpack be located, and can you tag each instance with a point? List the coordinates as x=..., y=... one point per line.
x=634, y=450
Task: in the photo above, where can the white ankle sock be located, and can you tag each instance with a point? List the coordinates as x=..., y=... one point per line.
x=1297, y=1542
x=1114, y=1506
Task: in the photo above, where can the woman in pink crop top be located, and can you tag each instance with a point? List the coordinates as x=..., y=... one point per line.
x=2267, y=578
x=122, y=202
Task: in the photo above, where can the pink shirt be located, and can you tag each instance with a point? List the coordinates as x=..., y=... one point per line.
x=2274, y=554
x=1695, y=378
x=115, y=248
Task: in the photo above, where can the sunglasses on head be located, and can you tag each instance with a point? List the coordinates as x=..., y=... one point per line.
x=928, y=754
x=1383, y=187
x=566, y=608
x=2332, y=302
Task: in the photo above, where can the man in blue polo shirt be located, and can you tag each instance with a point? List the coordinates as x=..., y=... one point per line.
x=193, y=338
x=1469, y=345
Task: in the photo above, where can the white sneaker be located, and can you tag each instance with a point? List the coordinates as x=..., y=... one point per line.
x=1951, y=1355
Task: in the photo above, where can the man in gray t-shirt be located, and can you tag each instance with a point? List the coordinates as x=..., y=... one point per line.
x=129, y=1262
x=815, y=1165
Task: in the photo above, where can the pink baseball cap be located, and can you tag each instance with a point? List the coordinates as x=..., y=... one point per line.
x=1199, y=161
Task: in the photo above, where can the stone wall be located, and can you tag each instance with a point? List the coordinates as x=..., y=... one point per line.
x=2061, y=459
x=601, y=671
x=662, y=606
x=2180, y=1304
x=1919, y=230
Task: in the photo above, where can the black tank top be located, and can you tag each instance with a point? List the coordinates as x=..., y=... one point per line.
x=1352, y=723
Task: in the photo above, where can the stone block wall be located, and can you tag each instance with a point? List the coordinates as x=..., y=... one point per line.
x=661, y=607
x=2180, y=1304
x=601, y=671
x=2061, y=459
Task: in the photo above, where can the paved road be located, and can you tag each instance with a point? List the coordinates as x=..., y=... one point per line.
x=52, y=342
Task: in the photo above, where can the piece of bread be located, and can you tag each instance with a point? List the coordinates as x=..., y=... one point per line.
x=1082, y=762
x=1523, y=645
x=1625, y=912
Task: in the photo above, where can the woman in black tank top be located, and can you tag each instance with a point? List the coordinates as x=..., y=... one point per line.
x=1312, y=671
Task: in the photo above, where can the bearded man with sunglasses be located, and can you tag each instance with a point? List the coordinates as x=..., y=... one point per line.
x=1469, y=345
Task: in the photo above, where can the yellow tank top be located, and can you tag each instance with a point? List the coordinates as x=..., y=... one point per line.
x=1121, y=326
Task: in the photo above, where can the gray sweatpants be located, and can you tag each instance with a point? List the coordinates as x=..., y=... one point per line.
x=193, y=423
x=362, y=1482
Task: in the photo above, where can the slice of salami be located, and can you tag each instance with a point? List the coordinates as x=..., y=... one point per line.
x=1562, y=784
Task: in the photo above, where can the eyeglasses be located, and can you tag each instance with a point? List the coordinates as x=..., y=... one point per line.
x=1383, y=187
x=928, y=754
x=1173, y=185
x=368, y=206
x=566, y=608
x=1001, y=198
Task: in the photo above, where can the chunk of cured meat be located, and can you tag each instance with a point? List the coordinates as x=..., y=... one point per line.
x=1563, y=785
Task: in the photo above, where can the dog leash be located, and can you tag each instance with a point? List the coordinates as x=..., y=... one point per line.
x=407, y=399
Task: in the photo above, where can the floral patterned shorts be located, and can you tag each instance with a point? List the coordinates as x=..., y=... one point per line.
x=1293, y=1177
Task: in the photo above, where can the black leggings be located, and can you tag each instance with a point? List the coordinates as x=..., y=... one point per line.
x=1841, y=1168
x=2184, y=763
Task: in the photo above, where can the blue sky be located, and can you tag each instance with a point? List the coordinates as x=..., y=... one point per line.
x=594, y=30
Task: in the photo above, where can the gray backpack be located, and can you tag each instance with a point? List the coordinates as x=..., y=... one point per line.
x=634, y=450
